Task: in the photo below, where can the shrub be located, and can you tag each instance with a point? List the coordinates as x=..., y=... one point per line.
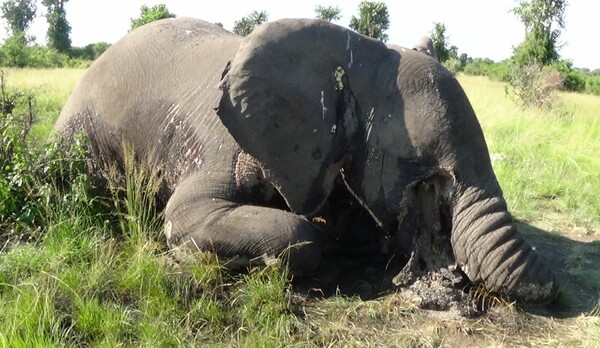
x=592, y=84
x=453, y=65
x=573, y=80
x=487, y=67
x=15, y=53
x=89, y=52
x=28, y=174
x=534, y=86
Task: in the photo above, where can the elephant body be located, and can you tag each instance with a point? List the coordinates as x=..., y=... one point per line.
x=254, y=134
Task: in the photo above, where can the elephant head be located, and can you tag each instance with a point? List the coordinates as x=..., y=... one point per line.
x=309, y=99
x=425, y=45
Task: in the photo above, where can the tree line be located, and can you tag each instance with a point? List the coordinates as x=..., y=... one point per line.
x=536, y=55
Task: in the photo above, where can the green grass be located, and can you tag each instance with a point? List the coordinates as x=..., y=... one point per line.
x=51, y=87
x=100, y=274
x=546, y=161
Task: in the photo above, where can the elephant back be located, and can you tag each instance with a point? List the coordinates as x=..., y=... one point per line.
x=156, y=90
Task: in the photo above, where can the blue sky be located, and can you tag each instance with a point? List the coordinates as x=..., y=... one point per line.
x=480, y=28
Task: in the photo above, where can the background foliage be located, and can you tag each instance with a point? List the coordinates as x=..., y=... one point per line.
x=246, y=25
x=328, y=13
x=373, y=20
x=59, y=30
x=151, y=14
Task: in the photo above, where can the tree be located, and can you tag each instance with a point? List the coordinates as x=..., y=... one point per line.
x=246, y=25
x=18, y=15
x=328, y=13
x=151, y=14
x=373, y=20
x=543, y=20
x=59, y=30
x=14, y=52
x=440, y=41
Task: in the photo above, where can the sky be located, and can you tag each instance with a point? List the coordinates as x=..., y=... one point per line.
x=480, y=28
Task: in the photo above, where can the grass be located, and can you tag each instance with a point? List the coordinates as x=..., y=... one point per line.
x=545, y=161
x=52, y=87
x=97, y=272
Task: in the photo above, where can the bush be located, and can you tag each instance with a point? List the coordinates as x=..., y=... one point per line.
x=573, y=80
x=15, y=53
x=592, y=84
x=89, y=52
x=487, y=67
x=27, y=173
x=453, y=65
x=534, y=86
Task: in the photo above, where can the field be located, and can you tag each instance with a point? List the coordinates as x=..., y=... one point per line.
x=95, y=270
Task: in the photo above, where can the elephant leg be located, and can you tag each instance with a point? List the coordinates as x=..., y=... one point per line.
x=201, y=215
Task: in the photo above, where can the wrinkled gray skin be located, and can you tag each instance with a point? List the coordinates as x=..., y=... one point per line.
x=425, y=45
x=243, y=179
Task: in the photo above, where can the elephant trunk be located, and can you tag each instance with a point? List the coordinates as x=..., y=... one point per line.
x=490, y=251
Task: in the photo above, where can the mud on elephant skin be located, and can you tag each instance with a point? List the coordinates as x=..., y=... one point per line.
x=253, y=133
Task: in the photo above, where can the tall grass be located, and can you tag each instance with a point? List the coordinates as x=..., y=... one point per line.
x=87, y=280
x=546, y=161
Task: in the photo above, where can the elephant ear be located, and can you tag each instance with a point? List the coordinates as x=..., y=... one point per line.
x=287, y=102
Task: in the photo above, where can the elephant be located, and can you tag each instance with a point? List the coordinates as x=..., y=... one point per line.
x=425, y=45
x=253, y=134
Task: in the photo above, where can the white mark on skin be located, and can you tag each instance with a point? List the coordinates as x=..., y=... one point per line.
x=351, y=59
x=168, y=229
x=173, y=111
x=370, y=118
x=431, y=78
x=248, y=115
x=333, y=129
x=315, y=130
x=190, y=153
x=373, y=157
x=323, y=108
x=244, y=105
x=348, y=42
